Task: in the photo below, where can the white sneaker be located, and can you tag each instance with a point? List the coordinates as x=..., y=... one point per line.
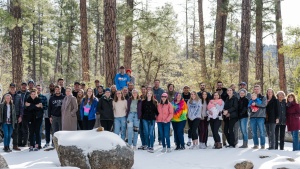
x=169, y=150
x=163, y=150
x=202, y=146
x=193, y=147
x=134, y=148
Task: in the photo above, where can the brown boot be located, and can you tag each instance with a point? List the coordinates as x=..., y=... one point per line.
x=16, y=148
x=218, y=145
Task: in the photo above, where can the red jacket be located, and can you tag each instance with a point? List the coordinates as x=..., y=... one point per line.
x=165, y=112
x=293, y=117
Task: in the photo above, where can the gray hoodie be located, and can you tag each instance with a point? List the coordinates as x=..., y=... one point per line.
x=194, y=109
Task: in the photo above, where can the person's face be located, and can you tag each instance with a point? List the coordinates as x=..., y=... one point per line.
x=39, y=89
x=33, y=95
x=156, y=83
x=135, y=94
x=193, y=95
x=130, y=86
x=269, y=93
x=204, y=95
x=12, y=89
x=113, y=88
x=83, y=87
x=51, y=87
x=76, y=87
x=253, y=96
x=149, y=94
x=242, y=86
x=163, y=98
x=119, y=94
x=216, y=96
x=229, y=92
x=122, y=71
x=280, y=96
x=89, y=92
x=128, y=73
x=31, y=85
x=97, y=83
x=61, y=83
x=178, y=97
x=256, y=90
x=219, y=85
x=80, y=94
x=242, y=94
x=144, y=90
x=125, y=91
x=149, y=88
x=100, y=90
x=57, y=90
x=24, y=87
x=233, y=87
x=171, y=88
x=68, y=92
x=107, y=94
x=7, y=99
x=290, y=99
x=186, y=90
x=202, y=87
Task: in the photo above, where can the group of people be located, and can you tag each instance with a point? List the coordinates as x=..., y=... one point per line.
x=126, y=112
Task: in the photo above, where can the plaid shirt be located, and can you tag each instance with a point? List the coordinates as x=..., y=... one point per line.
x=44, y=101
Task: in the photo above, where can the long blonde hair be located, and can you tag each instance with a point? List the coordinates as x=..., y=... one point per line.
x=196, y=99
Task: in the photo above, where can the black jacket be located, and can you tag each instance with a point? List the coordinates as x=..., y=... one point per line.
x=243, y=108
x=282, y=112
x=105, y=108
x=272, y=111
x=224, y=94
x=231, y=105
x=149, y=110
x=32, y=110
x=55, y=103
x=24, y=96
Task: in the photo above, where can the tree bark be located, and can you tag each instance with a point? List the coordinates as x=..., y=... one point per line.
x=245, y=40
x=84, y=42
x=221, y=19
x=33, y=54
x=186, y=30
x=259, y=60
x=202, y=42
x=16, y=44
x=110, y=41
x=97, y=41
x=279, y=39
x=128, y=38
x=40, y=46
x=58, y=60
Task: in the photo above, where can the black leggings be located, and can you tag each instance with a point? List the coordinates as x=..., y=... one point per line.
x=193, y=124
x=229, y=131
x=88, y=124
x=215, y=124
x=107, y=124
x=34, y=130
x=280, y=131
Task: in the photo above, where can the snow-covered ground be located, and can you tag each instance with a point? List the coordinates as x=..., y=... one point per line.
x=209, y=158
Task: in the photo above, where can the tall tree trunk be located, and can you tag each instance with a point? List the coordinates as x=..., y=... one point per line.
x=40, y=46
x=16, y=44
x=128, y=38
x=84, y=42
x=33, y=54
x=110, y=41
x=97, y=41
x=70, y=34
x=245, y=40
x=212, y=47
x=259, y=60
x=186, y=30
x=221, y=19
x=194, y=32
x=58, y=60
x=202, y=42
x=279, y=39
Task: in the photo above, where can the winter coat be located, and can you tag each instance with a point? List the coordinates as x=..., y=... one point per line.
x=93, y=110
x=121, y=80
x=293, y=116
x=44, y=101
x=272, y=111
x=165, y=113
x=194, y=109
x=231, y=105
x=243, y=107
x=32, y=110
x=55, y=103
x=3, y=114
x=180, y=111
x=224, y=94
x=149, y=110
x=105, y=108
x=261, y=108
x=17, y=100
x=157, y=93
x=139, y=108
x=68, y=113
x=282, y=112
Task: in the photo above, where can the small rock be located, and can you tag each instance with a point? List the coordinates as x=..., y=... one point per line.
x=3, y=163
x=244, y=165
x=291, y=159
x=282, y=168
x=264, y=156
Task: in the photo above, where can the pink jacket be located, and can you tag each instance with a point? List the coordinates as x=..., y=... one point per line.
x=165, y=112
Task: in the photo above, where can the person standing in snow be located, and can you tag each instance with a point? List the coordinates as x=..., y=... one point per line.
x=203, y=125
x=293, y=119
x=121, y=79
x=80, y=96
x=194, y=114
x=68, y=111
x=88, y=109
x=243, y=116
x=105, y=109
x=281, y=126
x=120, y=109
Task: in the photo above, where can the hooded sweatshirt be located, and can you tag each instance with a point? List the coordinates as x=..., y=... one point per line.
x=55, y=103
x=194, y=109
x=180, y=111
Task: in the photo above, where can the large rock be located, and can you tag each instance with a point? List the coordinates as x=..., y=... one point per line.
x=289, y=137
x=92, y=150
x=3, y=163
x=244, y=165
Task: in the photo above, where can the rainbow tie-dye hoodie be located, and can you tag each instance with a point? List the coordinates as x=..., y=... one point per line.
x=180, y=111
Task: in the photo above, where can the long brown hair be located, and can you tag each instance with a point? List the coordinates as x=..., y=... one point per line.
x=138, y=97
x=152, y=98
x=79, y=99
x=293, y=96
x=116, y=97
x=11, y=100
x=87, y=97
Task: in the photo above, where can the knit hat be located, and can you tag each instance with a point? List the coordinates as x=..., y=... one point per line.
x=107, y=90
x=164, y=95
x=128, y=70
x=243, y=83
x=30, y=81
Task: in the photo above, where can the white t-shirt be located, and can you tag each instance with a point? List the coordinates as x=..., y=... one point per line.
x=8, y=113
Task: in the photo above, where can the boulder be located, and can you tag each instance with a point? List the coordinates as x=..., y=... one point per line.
x=289, y=137
x=92, y=150
x=3, y=163
x=244, y=165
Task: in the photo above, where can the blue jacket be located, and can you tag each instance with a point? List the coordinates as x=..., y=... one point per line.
x=121, y=80
x=93, y=110
x=157, y=93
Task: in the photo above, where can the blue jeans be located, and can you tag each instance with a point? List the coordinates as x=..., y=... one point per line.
x=244, y=128
x=260, y=123
x=133, y=124
x=7, y=131
x=178, y=128
x=149, y=132
x=141, y=131
x=164, y=132
x=120, y=126
x=296, y=143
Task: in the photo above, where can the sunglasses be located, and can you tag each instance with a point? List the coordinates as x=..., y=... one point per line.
x=163, y=96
